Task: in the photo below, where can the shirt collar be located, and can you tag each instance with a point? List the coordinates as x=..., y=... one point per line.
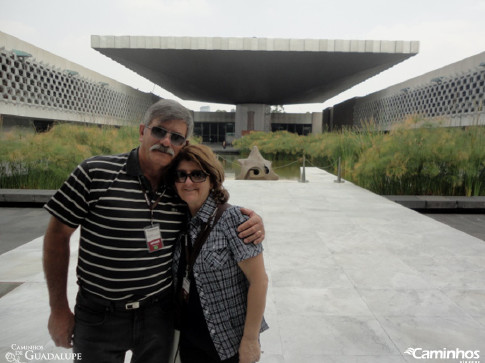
x=133, y=169
x=207, y=210
x=133, y=164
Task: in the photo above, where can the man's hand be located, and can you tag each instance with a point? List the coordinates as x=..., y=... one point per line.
x=56, y=265
x=252, y=231
x=61, y=327
x=249, y=350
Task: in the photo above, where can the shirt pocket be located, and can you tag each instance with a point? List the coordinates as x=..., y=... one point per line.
x=215, y=259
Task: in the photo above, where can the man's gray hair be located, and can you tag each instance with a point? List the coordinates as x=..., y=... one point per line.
x=168, y=110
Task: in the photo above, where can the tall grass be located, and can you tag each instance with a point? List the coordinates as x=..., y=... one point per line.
x=45, y=160
x=405, y=161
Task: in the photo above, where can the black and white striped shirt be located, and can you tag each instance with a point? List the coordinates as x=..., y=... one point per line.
x=105, y=196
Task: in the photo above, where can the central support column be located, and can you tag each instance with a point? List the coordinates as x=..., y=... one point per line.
x=317, y=123
x=252, y=117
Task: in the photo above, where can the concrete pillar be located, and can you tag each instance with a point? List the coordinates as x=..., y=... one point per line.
x=317, y=122
x=331, y=120
x=252, y=117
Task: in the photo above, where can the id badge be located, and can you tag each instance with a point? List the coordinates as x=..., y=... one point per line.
x=186, y=288
x=153, y=238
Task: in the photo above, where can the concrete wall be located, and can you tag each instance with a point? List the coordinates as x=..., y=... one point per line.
x=291, y=118
x=451, y=96
x=252, y=117
x=345, y=113
x=214, y=116
x=317, y=122
x=38, y=85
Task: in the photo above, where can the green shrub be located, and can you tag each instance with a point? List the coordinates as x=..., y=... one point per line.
x=45, y=160
x=407, y=160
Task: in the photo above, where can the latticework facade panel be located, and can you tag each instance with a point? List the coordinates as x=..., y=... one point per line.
x=24, y=81
x=443, y=97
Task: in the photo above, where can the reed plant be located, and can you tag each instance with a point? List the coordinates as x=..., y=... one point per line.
x=30, y=160
x=405, y=161
x=277, y=145
x=45, y=160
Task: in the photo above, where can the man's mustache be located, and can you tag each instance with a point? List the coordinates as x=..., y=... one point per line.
x=163, y=149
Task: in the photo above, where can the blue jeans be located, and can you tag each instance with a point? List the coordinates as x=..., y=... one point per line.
x=104, y=333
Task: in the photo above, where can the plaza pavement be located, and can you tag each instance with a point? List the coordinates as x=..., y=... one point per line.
x=354, y=278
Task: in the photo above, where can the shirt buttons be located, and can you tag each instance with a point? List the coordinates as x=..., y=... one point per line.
x=213, y=331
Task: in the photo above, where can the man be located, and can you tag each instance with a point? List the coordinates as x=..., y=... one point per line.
x=129, y=223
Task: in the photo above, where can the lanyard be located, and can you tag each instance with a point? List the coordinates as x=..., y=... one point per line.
x=150, y=205
x=192, y=253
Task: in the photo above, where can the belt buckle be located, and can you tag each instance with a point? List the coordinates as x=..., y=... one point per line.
x=132, y=305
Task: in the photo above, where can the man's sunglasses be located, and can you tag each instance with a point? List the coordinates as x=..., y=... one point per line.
x=160, y=133
x=197, y=176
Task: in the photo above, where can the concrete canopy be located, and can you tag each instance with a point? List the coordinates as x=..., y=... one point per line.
x=254, y=70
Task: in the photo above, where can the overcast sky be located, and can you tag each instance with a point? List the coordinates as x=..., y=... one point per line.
x=448, y=30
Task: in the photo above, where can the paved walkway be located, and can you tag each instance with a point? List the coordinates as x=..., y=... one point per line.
x=354, y=278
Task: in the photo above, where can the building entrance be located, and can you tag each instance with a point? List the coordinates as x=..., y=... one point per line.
x=213, y=132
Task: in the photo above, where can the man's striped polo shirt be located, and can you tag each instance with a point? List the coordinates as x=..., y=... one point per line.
x=105, y=196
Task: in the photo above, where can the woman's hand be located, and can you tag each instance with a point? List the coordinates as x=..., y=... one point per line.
x=249, y=350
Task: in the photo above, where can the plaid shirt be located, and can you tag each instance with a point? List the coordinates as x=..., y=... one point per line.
x=221, y=284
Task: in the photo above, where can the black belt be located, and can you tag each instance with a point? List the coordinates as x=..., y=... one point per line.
x=122, y=305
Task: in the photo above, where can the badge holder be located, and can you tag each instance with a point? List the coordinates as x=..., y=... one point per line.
x=153, y=238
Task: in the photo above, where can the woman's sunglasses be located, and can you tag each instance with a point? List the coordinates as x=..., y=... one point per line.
x=160, y=133
x=197, y=176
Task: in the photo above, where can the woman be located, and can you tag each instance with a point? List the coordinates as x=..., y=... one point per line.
x=224, y=285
